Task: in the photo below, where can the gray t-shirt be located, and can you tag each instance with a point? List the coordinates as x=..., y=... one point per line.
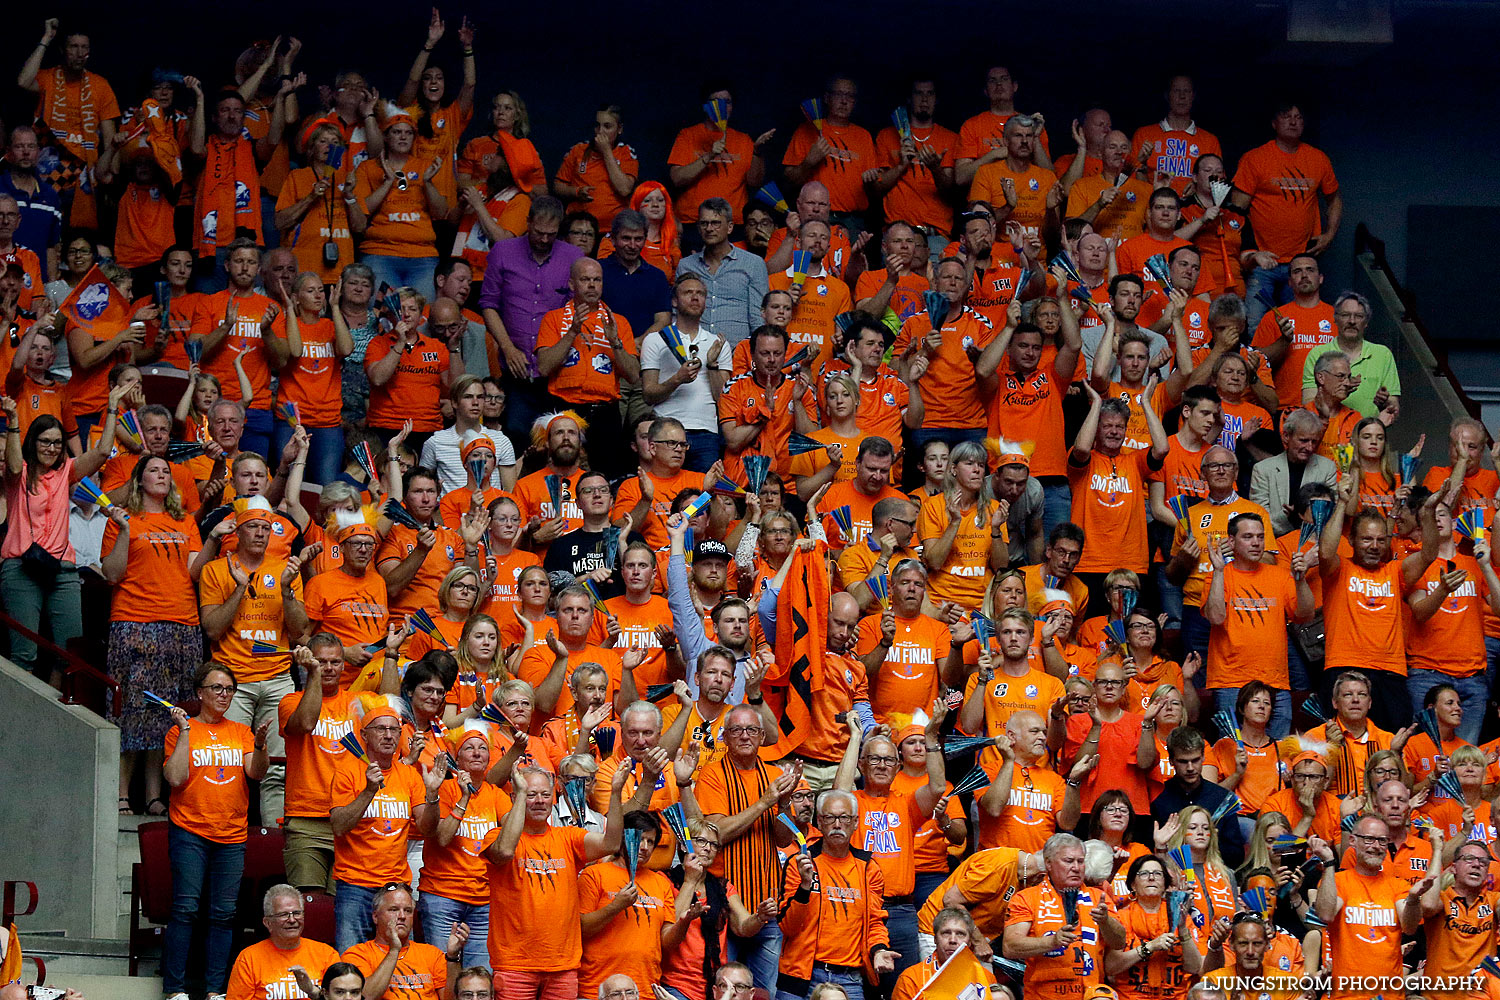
x=1093, y=334
x=1022, y=510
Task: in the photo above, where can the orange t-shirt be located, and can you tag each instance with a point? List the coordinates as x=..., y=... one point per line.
x=886, y=829
x=664, y=491
x=1109, y=504
x=312, y=758
x=723, y=177
x=121, y=464
x=1182, y=470
x=908, y=679
x=1461, y=933
x=1312, y=328
x=373, y=852
x=963, y=575
x=844, y=683
x=1283, y=189
x=1137, y=434
x=630, y=943
x=1262, y=777
x=1062, y=972
x=916, y=198
x=35, y=398
x=1005, y=695
x=986, y=880
x=744, y=401
x=456, y=871
x=1420, y=755
x=949, y=388
x=1032, y=807
x=847, y=494
x=1029, y=408
x=582, y=167
x=638, y=624
x=588, y=373
x=422, y=591
x=930, y=846
x=504, y=594
x=313, y=381
x=1363, y=614
x=328, y=219
x=1326, y=815
x=144, y=228
x=809, y=462
x=906, y=300
x=1375, y=490
x=1239, y=416
x=1124, y=217
x=214, y=803
x=402, y=225
x=1160, y=976
x=156, y=586
x=823, y=298
x=1117, y=766
x=1365, y=937
x=259, y=617
x=840, y=171
x=535, y=500
x=1251, y=644
x=534, y=898
x=1131, y=256
x=415, y=390
x=421, y=971
x=1478, y=488
x=1174, y=151
x=1206, y=522
x=263, y=971
x=982, y=133
x=993, y=287
x=537, y=662
x=1032, y=186
x=245, y=338
x=354, y=608
x=1452, y=640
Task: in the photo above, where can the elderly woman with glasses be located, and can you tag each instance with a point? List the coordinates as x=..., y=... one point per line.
x=713, y=908
x=210, y=763
x=1155, y=966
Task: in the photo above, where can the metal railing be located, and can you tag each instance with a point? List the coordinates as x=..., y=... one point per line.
x=74, y=668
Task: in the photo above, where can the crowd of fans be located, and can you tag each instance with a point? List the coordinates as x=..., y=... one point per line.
x=986, y=571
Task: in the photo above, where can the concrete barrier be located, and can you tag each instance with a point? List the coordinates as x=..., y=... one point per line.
x=59, y=778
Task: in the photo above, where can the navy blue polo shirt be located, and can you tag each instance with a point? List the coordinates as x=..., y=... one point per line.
x=41, y=217
x=638, y=296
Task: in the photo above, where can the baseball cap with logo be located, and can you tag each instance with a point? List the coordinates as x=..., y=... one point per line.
x=710, y=549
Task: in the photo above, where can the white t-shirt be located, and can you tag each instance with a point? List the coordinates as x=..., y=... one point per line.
x=441, y=452
x=694, y=403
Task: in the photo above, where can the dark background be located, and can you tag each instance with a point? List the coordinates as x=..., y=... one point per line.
x=1408, y=120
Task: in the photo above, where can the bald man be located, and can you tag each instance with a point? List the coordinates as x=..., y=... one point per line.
x=1090, y=132
x=1112, y=199
x=813, y=204
x=1027, y=802
x=586, y=352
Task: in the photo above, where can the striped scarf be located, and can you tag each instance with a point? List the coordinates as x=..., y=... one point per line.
x=76, y=127
x=750, y=859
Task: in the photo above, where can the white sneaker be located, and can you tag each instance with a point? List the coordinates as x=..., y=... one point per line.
x=216, y=996
x=179, y=996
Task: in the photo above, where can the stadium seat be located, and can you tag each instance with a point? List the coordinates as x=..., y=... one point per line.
x=150, y=891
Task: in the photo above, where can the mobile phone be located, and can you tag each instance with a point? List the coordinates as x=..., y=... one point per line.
x=44, y=992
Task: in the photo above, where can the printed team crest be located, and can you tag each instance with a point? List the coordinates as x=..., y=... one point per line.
x=822, y=289
x=1032, y=183
x=451, y=557
x=241, y=196
x=889, y=399
x=1031, y=691
x=268, y=581
x=1193, y=149
x=1234, y=223
x=277, y=528
x=1195, y=321
x=572, y=359
x=968, y=343
x=93, y=301
x=848, y=676
x=211, y=224
x=602, y=364
x=1130, y=196
x=1285, y=962
x=1324, y=326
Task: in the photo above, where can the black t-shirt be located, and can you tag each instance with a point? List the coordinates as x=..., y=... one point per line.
x=580, y=552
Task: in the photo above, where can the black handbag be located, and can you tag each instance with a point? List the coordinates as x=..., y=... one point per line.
x=40, y=564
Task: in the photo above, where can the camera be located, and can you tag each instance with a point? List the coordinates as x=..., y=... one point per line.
x=330, y=253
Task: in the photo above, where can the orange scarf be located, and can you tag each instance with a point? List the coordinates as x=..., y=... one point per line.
x=74, y=126
x=524, y=163
x=228, y=189
x=801, y=643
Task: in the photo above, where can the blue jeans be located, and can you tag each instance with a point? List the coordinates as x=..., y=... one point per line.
x=439, y=914
x=1171, y=597
x=1195, y=637
x=30, y=599
x=353, y=907
x=525, y=400
x=271, y=235
x=926, y=882
x=256, y=437
x=1473, y=694
x=209, y=280
x=901, y=924
x=761, y=953
x=704, y=449
x=936, y=244
x=409, y=272
x=1266, y=287
x=325, y=451
x=852, y=982
x=1296, y=667
x=1057, y=506
x=196, y=861
x=1281, y=709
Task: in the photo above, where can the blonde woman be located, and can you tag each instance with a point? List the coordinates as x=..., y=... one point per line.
x=1212, y=883
x=963, y=532
x=458, y=595
x=840, y=436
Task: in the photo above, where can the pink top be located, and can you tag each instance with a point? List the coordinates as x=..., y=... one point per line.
x=40, y=517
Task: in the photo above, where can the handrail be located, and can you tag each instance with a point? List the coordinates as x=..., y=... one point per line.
x=73, y=666
x=1366, y=242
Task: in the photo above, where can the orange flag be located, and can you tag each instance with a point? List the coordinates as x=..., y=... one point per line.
x=801, y=642
x=96, y=304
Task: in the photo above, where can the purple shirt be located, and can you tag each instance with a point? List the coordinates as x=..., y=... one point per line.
x=523, y=291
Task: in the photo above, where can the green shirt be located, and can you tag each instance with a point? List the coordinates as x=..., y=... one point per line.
x=1375, y=367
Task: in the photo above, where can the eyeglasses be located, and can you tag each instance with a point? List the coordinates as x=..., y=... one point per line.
x=1220, y=466
x=389, y=886
x=736, y=987
x=882, y=760
x=1382, y=841
x=287, y=915
x=385, y=730
x=1307, y=776
x=742, y=730
x=471, y=588
x=838, y=820
x=494, y=398
x=1150, y=873
x=706, y=844
x=360, y=543
x=1101, y=682
x=674, y=445
x=621, y=994
x=590, y=491
x=902, y=520
x=218, y=688
x=803, y=796
x=1150, y=626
